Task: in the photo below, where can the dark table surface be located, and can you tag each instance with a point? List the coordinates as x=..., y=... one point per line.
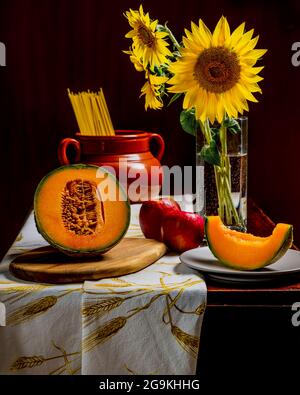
x=247, y=333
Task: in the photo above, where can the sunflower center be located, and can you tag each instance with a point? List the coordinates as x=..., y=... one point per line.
x=217, y=69
x=145, y=35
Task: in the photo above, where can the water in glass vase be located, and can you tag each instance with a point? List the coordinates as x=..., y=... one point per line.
x=207, y=196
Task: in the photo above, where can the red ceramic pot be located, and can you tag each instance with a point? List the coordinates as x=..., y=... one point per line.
x=128, y=153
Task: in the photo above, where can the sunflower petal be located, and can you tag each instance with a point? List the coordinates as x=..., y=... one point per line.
x=256, y=70
x=153, y=25
x=245, y=38
x=205, y=34
x=249, y=46
x=246, y=93
x=190, y=98
x=227, y=102
x=256, y=54
x=221, y=32
x=157, y=80
x=236, y=35
x=130, y=34
x=192, y=45
x=211, y=107
x=239, y=101
x=251, y=78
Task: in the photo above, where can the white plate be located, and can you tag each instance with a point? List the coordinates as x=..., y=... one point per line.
x=203, y=260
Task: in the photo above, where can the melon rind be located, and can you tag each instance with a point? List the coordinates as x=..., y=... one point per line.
x=287, y=242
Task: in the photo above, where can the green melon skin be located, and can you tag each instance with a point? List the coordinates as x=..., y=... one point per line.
x=285, y=246
x=78, y=253
x=81, y=253
x=277, y=255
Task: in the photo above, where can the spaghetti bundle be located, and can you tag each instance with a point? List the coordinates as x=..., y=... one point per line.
x=91, y=113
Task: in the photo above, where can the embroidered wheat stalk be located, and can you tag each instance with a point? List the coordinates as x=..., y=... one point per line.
x=20, y=291
x=133, y=373
x=19, y=237
x=121, y=281
x=200, y=309
x=96, y=310
x=103, y=333
x=22, y=288
x=27, y=362
x=102, y=307
x=188, y=342
x=41, y=306
x=32, y=310
x=36, y=360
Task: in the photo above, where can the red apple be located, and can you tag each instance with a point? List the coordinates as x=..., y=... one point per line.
x=152, y=214
x=182, y=231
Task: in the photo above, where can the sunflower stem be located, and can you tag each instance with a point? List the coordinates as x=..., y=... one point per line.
x=165, y=28
x=226, y=173
x=226, y=208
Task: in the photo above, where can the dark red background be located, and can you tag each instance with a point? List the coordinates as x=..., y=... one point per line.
x=52, y=45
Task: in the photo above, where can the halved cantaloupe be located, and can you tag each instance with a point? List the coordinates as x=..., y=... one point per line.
x=245, y=251
x=81, y=209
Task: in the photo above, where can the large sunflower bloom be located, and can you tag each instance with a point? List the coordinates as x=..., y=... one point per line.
x=216, y=70
x=152, y=91
x=149, y=44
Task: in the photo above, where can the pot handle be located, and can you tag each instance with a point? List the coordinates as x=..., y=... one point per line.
x=62, y=150
x=161, y=145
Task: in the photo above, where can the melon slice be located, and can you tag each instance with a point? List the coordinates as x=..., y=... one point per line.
x=245, y=251
x=73, y=213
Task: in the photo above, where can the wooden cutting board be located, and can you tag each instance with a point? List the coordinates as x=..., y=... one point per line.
x=48, y=265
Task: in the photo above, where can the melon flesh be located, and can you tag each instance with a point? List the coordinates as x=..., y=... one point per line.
x=71, y=214
x=245, y=251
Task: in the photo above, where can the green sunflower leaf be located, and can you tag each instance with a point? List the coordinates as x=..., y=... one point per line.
x=210, y=153
x=160, y=28
x=188, y=121
x=174, y=98
x=232, y=125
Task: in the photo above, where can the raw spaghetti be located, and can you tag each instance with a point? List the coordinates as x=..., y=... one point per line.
x=91, y=113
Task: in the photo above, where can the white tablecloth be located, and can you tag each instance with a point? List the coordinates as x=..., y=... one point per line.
x=144, y=323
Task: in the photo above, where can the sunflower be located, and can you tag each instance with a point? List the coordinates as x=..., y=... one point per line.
x=149, y=44
x=152, y=91
x=216, y=70
x=134, y=59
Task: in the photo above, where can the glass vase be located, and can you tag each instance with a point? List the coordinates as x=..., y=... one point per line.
x=222, y=190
